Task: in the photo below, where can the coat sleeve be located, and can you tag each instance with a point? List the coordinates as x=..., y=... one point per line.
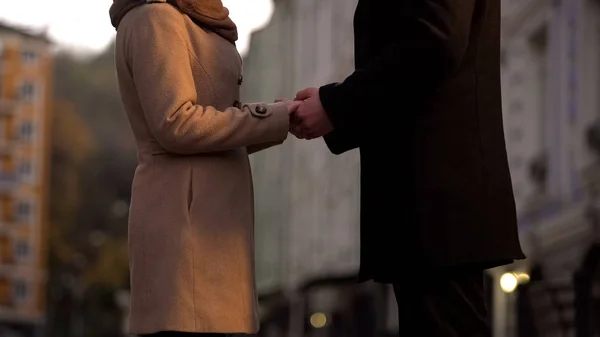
x=340, y=141
x=260, y=147
x=160, y=62
x=431, y=39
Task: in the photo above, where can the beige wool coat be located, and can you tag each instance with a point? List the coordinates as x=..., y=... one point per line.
x=191, y=219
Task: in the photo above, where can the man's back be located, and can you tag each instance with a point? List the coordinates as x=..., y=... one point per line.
x=435, y=183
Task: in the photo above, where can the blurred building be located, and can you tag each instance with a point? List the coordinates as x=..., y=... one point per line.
x=25, y=103
x=551, y=80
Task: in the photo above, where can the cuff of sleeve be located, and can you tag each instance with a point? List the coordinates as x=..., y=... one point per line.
x=260, y=110
x=331, y=103
x=276, y=118
x=333, y=143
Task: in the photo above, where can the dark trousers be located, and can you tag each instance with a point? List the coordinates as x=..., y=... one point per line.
x=446, y=303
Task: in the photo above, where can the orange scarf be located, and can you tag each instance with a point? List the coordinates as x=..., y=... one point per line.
x=206, y=13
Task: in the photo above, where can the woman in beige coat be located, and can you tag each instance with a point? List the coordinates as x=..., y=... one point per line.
x=191, y=220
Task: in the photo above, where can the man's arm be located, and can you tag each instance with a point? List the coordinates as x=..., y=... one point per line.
x=339, y=141
x=432, y=38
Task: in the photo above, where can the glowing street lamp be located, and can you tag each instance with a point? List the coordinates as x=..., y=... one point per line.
x=509, y=282
x=318, y=320
x=523, y=278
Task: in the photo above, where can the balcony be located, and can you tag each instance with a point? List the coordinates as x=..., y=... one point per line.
x=7, y=107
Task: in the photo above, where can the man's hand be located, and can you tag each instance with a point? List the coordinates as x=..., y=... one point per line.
x=310, y=119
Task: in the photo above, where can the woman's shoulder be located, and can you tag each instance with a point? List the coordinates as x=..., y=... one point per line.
x=153, y=14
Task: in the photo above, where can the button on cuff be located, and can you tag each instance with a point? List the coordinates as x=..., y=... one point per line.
x=259, y=109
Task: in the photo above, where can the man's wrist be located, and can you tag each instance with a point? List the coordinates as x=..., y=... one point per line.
x=330, y=102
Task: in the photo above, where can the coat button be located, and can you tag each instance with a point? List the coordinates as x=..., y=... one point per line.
x=261, y=109
x=240, y=79
x=237, y=104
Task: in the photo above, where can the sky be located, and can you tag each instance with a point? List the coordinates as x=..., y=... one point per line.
x=83, y=25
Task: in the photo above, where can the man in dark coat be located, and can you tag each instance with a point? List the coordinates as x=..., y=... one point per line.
x=424, y=108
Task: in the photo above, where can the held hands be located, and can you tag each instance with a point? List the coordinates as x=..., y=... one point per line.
x=292, y=105
x=308, y=120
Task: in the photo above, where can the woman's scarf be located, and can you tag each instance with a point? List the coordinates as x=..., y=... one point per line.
x=206, y=13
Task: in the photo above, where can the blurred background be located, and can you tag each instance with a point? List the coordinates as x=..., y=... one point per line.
x=67, y=159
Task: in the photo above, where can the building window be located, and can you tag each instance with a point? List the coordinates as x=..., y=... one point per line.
x=22, y=250
x=26, y=131
x=20, y=290
x=27, y=92
x=25, y=170
x=24, y=211
x=29, y=57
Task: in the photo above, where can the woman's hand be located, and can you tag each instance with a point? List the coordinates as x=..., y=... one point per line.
x=295, y=127
x=290, y=103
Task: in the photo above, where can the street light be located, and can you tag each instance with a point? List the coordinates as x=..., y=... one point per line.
x=318, y=320
x=509, y=282
x=523, y=278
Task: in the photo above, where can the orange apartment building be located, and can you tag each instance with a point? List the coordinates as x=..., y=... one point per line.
x=25, y=107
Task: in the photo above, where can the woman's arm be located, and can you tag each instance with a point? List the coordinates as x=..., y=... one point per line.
x=260, y=147
x=160, y=64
